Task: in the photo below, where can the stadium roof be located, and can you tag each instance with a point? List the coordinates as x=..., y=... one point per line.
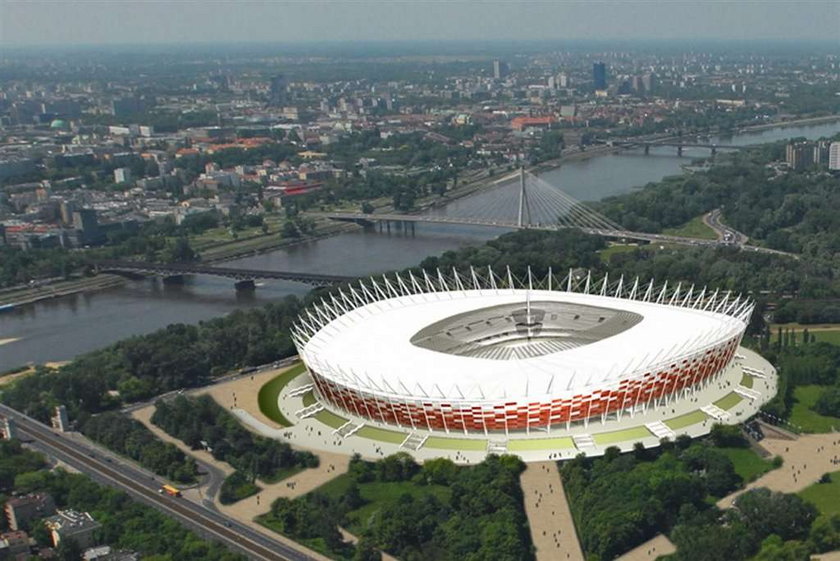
x=418, y=344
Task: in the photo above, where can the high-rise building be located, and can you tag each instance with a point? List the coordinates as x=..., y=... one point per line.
x=649, y=82
x=821, y=152
x=834, y=156
x=563, y=80
x=500, y=69
x=86, y=223
x=799, y=155
x=122, y=175
x=277, y=91
x=599, y=75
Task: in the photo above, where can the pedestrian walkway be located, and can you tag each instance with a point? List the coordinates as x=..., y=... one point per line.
x=806, y=459
x=549, y=517
x=650, y=550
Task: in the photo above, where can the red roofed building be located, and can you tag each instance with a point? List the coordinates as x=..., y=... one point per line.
x=522, y=123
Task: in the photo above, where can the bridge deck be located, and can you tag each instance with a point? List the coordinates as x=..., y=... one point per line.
x=172, y=269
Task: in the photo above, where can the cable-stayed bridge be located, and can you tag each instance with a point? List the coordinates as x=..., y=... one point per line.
x=522, y=201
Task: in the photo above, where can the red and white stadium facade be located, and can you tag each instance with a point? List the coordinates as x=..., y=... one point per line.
x=446, y=353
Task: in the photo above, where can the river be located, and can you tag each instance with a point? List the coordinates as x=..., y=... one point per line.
x=60, y=329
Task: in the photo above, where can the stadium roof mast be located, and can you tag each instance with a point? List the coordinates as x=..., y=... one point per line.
x=524, y=208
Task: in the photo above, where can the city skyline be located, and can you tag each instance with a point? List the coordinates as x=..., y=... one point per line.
x=95, y=23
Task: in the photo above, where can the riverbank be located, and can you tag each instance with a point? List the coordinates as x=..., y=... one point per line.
x=806, y=121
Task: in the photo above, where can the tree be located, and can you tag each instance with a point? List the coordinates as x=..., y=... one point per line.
x=765, y=512
x=68, y=550
x=181, y=251
x=825, y=533
x=290, y=230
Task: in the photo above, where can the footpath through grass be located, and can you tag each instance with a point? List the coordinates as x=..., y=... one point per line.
x=804, y=416
x=270, y=392
x=825, y=496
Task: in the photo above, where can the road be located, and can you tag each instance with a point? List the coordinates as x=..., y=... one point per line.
x=724, y=232
x=143, y=486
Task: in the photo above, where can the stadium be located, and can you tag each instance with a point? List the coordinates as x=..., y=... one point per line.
x=481, y=354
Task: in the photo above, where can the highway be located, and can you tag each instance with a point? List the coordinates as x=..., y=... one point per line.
x=143, y=486
x=724, y=232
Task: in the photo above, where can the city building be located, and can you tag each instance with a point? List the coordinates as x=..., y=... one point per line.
x=86, y=224
x=71, y=524
x=20, y=511
x=14, y=545
x=522, y=123
x=834, y=156
x=107, y=553
x=500, y=70
x=60, y=420
x=277, y=91
x=599, y=76
x=799, y=155
x=122, y=175
x=8, y=426
x=491, y=356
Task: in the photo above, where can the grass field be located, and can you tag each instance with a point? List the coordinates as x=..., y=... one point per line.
x=561, y=443
x=825, y=496
x=267, y=397
x=606, y=254
x=694, y=228
x=377, y=495
x=748, y=464
x=631, y=434
x=825, y=332
x=309, y=398
x=803, y=416
x=729, y=401
x=747, y=381
x=382, y=435
x=686, y=420
x=330, y=419
x=441, y=443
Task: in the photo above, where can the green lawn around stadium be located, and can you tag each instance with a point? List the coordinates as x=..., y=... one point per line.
x=729, y=401
x=382, y=435
x=330, y=419
x=634, y=433
x=441, y=443
x=693, y=418
x=825, y=496
x=270, y=392
x=525, y=444
x=309, y=398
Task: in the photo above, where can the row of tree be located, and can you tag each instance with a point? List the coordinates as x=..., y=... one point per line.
x=483, y=519
x=142, y=367
x=200, y=423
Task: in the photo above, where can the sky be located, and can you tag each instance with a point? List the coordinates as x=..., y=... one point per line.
x=74, y=22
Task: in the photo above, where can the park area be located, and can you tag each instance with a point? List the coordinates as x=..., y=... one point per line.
x=803, y=415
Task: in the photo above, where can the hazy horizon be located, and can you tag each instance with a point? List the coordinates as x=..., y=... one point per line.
x=74, y=23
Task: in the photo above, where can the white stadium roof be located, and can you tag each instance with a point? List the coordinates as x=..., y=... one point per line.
x=366, y=342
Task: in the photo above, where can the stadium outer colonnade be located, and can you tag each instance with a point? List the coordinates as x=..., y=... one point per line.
x=692, y=372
